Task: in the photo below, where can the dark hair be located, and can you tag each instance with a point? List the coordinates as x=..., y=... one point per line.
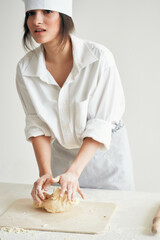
x=67, y=26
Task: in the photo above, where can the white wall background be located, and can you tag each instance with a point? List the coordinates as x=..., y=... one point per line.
x=130, y=29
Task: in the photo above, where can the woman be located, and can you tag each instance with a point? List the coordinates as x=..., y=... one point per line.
x=73, y=99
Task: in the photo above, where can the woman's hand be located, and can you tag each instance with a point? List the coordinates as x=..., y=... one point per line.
x=41, y=184
x=69, y=182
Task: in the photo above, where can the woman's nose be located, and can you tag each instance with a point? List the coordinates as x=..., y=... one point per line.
x=38, y=18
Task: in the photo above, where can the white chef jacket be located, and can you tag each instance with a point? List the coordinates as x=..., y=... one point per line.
x=89, y=104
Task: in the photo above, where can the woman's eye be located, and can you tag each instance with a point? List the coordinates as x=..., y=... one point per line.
x=30, y=13
x=47, y=11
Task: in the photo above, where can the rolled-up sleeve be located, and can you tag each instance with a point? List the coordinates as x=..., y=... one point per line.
x=34, y=126
x=106, y=106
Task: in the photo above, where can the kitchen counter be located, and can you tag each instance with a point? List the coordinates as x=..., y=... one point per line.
x=131, y=220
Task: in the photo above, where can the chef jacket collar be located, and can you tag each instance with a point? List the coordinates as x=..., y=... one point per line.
x=82, y=57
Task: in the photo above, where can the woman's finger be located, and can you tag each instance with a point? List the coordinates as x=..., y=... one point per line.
x=39, y=192
x=46, y=184
x=38, y=187
x=45, y=181
x=56, y=179
x=70, y=190
x=63, y=188
x=73, y=193
x=34, y=196
x=45, y=187
x=80, y=192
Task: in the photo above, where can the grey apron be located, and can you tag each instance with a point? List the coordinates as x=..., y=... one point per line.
x=110, y=169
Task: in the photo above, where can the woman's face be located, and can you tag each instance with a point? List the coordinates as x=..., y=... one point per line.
x=46, y=20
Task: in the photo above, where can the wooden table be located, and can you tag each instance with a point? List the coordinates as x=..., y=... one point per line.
x=131, y=221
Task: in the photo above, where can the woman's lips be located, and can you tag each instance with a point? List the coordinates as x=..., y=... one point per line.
x=40, y=32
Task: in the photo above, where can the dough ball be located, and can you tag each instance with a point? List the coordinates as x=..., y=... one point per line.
x=54, y=203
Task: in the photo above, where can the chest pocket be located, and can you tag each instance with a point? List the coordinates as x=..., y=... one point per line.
x=81, y=110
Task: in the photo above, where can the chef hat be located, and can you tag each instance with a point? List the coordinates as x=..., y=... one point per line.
x=62, y=6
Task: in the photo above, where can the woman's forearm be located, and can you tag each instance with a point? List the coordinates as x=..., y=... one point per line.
x=42, y=150
x=85, y=154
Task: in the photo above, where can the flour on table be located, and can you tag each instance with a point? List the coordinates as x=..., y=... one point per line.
x=12, y=229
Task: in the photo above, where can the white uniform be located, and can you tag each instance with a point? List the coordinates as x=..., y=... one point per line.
x=91, y=103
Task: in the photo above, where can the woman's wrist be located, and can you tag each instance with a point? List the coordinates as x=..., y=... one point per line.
x=41, y=173
x=85, y=154
x=73, y=170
